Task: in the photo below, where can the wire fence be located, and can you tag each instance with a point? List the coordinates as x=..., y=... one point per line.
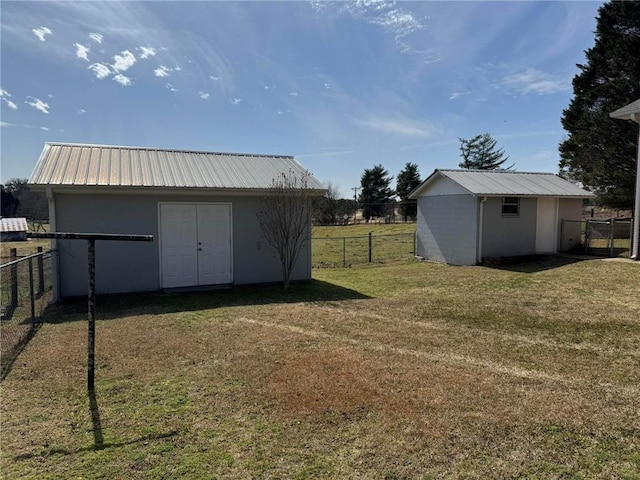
x=26, y=288
x=607, y=238
x=345, y=251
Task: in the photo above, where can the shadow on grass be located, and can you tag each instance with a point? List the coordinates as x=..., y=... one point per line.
x=156, y=303
x=535, y=263
x=98, y=438
x=103, y=446
x=10, y=353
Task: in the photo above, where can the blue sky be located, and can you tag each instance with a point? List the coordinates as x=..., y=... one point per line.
x=343, y=86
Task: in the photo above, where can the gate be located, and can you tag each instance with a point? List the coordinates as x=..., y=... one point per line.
x=606, y=238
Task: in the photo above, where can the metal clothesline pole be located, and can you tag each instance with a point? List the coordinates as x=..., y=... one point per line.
x=91, y=295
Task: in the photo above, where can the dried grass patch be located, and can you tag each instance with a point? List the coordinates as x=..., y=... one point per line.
x=441, y=372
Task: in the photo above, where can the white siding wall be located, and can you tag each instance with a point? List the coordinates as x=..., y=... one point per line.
x=447, y=228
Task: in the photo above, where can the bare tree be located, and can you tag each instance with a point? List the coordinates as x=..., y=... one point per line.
x=285, y=218
x=325, y=208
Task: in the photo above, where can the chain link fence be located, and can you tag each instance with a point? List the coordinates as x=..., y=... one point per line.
x=346, y=251
x=607, y=238
x=26, y=288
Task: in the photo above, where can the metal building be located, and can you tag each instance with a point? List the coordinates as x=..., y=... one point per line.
x=465, y=216
x=201, y=208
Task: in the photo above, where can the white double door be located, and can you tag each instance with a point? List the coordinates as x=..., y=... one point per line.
x=195, y=244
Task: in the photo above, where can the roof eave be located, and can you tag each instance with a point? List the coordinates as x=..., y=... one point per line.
x=157, y=190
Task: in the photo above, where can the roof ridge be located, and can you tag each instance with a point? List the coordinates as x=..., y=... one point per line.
x=478, y=170
x=154, y=149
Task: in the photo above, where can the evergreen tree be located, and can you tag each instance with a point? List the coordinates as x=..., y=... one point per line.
x=32, y=205
x=376, y=194
x=480, y=153
x=8, y=202
x=407, y=180
x=599, y=151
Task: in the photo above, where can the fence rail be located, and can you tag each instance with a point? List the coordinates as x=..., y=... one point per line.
x=26, y=288
x=346, y=251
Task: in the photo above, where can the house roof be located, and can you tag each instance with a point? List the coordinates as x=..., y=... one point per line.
x=628, y=112
x=13, y=225
x=506, y=183
x=66, y=164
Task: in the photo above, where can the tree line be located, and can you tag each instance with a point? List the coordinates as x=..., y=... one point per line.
x=377, y=199
x=19, y=201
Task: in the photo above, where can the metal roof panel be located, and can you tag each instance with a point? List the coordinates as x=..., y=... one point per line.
x=507, y=183
x=18, y=224
x=111, y=165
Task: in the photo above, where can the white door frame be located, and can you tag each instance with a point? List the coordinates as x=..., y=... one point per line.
x=160, y=259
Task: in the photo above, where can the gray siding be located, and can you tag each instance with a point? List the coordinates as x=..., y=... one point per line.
x=447, y=229
x=135, y=267
x=508, y=236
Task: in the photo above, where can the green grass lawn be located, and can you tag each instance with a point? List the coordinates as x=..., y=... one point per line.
x=404, y=370
x=348, y=245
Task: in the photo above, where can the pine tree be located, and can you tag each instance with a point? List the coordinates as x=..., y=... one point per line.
x=407, y=180
x=376, y=194
x=480, y=153
x=599, y=151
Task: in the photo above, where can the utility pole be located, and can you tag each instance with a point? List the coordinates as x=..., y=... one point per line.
x=355, y=203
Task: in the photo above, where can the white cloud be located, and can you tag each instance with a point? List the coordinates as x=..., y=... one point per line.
x=101, y=70
x=41, y=32
x=38, y=104
x=122, y=80
x=394, y=18
x=81, y=111
x=398, y=22
x=81, y=51
x=455, y=95
x=535, y=81
x=235, y=101
x=147, y=52
x=162, y=71
x=177, y=68
x=404, y=127
x=96, y=37
x=170, y=87
x=6, y=124
x=327, y=86
x=4, y=94
x=203, y=95
x=215, y=79
x=46, y=129
x=124, y=61
x=293, y=94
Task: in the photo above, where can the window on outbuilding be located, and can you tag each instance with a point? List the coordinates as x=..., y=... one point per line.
x=510, y=206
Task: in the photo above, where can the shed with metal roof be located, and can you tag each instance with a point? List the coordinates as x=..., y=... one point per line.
x=13, y=229
x=467, y=216
x=201, y=208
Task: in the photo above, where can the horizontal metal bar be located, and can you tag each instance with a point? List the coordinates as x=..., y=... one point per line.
x=27, y=257
x=91, y=236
